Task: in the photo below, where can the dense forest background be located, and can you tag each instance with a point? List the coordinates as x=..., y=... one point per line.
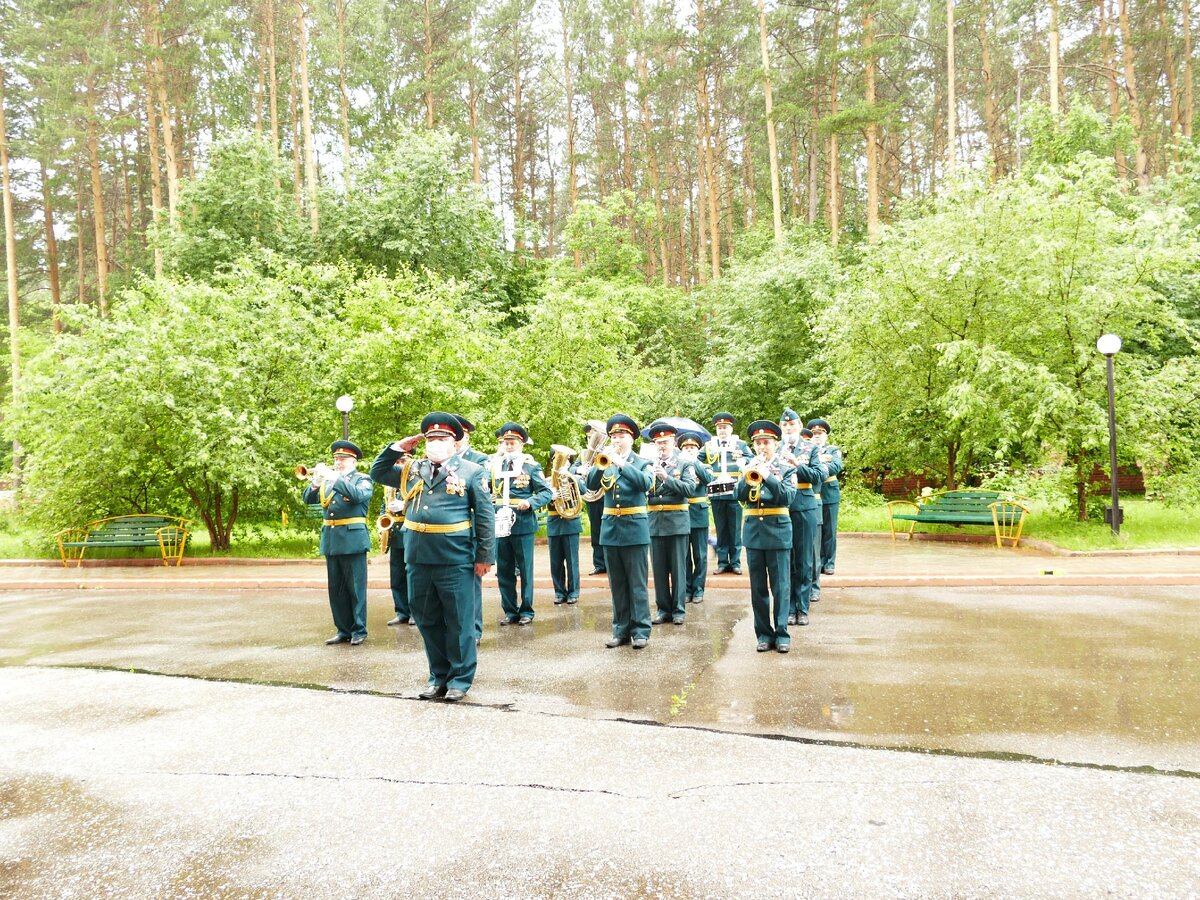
x=913, y=218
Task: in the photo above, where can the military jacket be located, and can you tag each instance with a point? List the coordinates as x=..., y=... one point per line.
x=767, y=525
x=625, y=489
x=732, y=453
x=448, y=520
x=529, y=484
x=809, y=470
x=556, y=525
x=347, y=497
x=473, y=455
x=831, y=456
x=698, y=505
x=669, y=513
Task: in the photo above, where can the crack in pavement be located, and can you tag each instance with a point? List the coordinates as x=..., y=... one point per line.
x=511, y=707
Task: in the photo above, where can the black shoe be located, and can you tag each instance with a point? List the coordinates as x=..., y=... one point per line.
x=617, y=642
x=678, y=620
x=559, y=601
x=357, y=639
x=524, y=620
x=509, y=620
x=763, y=647
x=792, y=620
x=338, y=639
x=571, y=601
x=783, y=648
x=433, y=692
x=412, y=621
x=598, y=571
x=688, y=599
x=638, y=643
x=736, y=570
x=399, y=620
x=699, y=598
x=828, y=571
x=723, y=570
x=802, y=619
x=454, y=695
x=815, y=598
x=660, y=619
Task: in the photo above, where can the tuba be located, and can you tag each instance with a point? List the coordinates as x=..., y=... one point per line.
x=596, y=439
x=567, y=501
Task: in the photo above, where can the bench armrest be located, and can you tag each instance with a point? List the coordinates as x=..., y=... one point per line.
x=892, y=522
x=71, y=545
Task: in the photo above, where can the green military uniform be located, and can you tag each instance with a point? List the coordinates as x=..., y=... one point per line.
x=698, y=506
x=448, y=525
x=516, y=478
x=397, y=571
x=344, y=544
x=805, y=511
x=768, y=541
x=725, y=457
x=562, y=535
x=625, y=534
x=831, y=498
x=470, y=454
x=670, y=527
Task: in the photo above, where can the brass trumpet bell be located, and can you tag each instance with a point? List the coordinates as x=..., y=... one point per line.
x=303, y=472
x=602, y=460
x=754, y=477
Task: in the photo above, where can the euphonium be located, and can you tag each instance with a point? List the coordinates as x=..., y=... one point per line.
x=567, y=501
x=596, y=439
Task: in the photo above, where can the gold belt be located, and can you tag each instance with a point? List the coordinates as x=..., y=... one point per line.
x=801, y=485
x=668, y=507
x=432, y=528
x=697, y=499
x=830, y=478
x=356, y=520
x=623, y=511
x=768, y=511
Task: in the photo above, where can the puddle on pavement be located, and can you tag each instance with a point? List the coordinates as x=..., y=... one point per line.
x=998, y=669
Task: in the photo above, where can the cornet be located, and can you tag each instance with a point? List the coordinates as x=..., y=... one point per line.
x=305, y=473
x=603, y=460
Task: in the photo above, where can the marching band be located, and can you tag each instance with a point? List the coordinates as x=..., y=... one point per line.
x=452, y=512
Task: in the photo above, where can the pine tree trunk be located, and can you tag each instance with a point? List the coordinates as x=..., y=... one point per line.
x=518, y=160
x=155, y=175
x=98, y=221
x=1189, y=105
x=643, y=77
x=427, y=55
x=833, y=193
x=80, y=261
x=951, y=99
x=293, y=113
x=51, y=239
x=551, y=200
x=797, y=178
x=713, y=185
x=814, y=166
x=1114, y=95
x=10, y=261
x=1131, y=93
x=1169, y=71
x=991, y=118
x=872, y=127
x=569, y=89
x=272, y=78
x=170, y=148
x=1054, y=55
x=701, y=228
x=772, y=148
x=344, y=95
x=310, y=161
x=473, y=108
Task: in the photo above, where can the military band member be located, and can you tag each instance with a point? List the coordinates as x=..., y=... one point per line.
x=518, y=485
x=344, y=495
x=397, y=571
x=595, y=511
x=814, y=590
x=673, y=482
x=690, y=443
x=831, y=493
x=448, y=523
x=562, y=536
x=470, y=454
x=805, y=512
x=725, y=454
x=625, y=532
x=767, y=489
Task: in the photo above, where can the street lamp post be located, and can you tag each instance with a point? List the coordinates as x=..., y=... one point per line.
x=1110, y=345
x=345, y=403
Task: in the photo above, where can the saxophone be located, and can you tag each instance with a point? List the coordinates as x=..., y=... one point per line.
x=567, y=501
x=596, y=439
x=386, y=520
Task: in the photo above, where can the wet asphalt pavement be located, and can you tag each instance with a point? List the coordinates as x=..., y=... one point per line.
x=917, y=741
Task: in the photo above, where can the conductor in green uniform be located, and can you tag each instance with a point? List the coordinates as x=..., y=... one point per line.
x=674, y=480
x=448, y=540
x=625, y=531
x=344, y=494
x=519, y=490
x=766, y=489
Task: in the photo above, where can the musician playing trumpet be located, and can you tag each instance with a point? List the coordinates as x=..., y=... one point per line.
x=690, y=444
x=518, y=491
x=344, y=494
x=670, y=524
x=766, y=490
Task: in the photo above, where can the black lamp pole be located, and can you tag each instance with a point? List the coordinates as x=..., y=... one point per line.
x=1109, y=344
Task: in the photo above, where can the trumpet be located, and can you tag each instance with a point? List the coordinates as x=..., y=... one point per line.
x=305, y=473
x=603, y=460
x=754, y=477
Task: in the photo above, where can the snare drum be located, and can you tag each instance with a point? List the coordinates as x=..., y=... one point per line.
x=723, y=489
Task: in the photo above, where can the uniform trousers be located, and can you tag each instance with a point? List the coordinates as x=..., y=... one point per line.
x=769, y=594
x=818, y=537
x=697, y=562
x=442, y=599
x=668, y=557
x=627, y=581
x=804, y=537
x=398, y=575
x=595, y=517
x=347, y=579
x=514, y=556
x=727, y=517
x=564, y=566
x=829, y=517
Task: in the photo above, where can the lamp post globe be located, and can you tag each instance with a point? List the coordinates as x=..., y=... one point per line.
x=344, y=404
x=1109, y=344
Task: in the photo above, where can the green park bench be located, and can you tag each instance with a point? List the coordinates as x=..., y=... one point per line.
x=168, y=533
x=1005, y=514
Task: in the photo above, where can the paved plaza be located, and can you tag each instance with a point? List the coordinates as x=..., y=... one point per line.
x=953, y=722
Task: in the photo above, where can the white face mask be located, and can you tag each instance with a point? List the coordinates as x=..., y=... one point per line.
x=439, y=451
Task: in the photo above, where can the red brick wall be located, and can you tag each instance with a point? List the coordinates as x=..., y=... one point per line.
x=1129, y=480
